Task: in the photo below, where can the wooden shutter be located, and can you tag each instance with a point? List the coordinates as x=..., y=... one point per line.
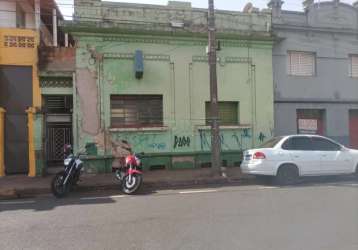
x=136, y=110
x=228, y=113
x=354, y=66
x=301, y=63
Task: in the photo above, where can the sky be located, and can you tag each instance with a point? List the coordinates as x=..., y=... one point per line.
x=66, y=6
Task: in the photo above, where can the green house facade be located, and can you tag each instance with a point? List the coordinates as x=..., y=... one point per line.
x=142, y=75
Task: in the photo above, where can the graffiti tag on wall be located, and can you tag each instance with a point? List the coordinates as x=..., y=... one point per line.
x=181, y=141
x=144, y=142
x=230, y=140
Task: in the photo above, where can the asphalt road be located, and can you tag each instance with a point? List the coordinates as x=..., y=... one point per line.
x=310, y=216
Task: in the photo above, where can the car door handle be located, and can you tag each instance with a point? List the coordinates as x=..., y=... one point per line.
x=296, y=156
x=324, y=155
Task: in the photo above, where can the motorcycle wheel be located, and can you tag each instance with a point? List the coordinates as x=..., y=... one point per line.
x=74, y=182
x=58, y=189
x=133, y=186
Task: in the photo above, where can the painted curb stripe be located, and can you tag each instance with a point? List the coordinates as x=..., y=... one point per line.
x=198, y=191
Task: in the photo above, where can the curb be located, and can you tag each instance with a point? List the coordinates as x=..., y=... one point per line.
x=7, y=194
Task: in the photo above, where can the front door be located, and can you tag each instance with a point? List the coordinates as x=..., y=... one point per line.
x=333, y=159
x=58, y=128
x=301, y=153
x=15, y=98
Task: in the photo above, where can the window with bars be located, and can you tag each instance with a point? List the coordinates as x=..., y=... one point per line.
x=301, y=63
x=353, y=65
x=228, y=113
x=59, y=104
x=136, y=111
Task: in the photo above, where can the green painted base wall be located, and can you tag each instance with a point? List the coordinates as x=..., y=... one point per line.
x=101, y=164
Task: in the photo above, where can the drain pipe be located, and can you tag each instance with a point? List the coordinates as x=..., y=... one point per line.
x=54, y=27
x=37, y=14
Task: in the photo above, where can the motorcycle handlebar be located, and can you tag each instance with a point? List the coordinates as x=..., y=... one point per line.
x=79, y=154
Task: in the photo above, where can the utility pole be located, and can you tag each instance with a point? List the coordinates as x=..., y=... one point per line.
x=214, y=105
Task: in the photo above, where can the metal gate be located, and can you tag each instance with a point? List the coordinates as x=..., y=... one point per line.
x=57, y=136
x=16, y=97
x=58, y=127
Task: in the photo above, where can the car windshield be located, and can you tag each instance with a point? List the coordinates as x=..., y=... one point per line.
x=271, y=143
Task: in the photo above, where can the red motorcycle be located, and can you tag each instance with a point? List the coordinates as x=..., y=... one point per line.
x=130, y=174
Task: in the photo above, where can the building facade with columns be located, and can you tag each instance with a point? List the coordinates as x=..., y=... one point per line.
x=315, y=70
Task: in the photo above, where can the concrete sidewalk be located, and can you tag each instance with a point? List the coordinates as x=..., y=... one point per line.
x=22, y=186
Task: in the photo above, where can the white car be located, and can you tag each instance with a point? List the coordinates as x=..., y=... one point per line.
x=288, y=157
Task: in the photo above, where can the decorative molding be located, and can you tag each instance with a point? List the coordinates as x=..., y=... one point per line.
x=230, y=59
x=167, y=41
x=127, y=56
x=135, y=40
x=204, y=59
x=295, y=28
x=234, y=59
x=154, y=57
x=130, y=56
x=19, y=41
x=237, y=43
x=56, y=82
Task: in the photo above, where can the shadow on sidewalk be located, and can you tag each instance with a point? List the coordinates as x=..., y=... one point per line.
x=48, y=204
x=103, y=195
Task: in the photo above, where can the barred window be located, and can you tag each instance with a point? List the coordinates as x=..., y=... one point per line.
x=136, y=111
x=228, y=113
x=354, y=65
x=301, y=63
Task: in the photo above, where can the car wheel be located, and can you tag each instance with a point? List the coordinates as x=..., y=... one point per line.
x=287, y=175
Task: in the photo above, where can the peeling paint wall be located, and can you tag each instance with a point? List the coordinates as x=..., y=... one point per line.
x=176, y=68
x=178, y=72
x=88, y=95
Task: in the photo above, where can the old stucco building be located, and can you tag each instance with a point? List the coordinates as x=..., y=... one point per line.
x=315, y=62
x=142, y=76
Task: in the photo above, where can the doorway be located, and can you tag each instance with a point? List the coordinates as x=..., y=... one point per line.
x=58, y=119
x=16, y=98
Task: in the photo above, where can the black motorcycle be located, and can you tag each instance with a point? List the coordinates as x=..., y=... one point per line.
x=65, y=180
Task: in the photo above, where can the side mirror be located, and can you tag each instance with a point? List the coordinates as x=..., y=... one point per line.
x=344, y=149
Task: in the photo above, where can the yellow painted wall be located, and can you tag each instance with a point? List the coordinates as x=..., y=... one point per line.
x=23, y=56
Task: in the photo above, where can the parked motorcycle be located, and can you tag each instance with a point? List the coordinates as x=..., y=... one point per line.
x=65, y=180
x=130, y=173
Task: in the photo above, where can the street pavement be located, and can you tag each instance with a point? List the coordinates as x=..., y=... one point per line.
x=314, y=215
